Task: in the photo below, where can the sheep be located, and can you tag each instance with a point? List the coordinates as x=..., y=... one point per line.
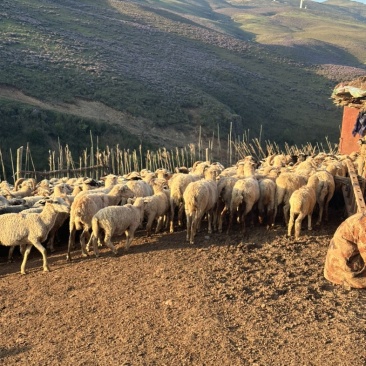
x=61, y=189
x=30, y=230
x=25, y=190
x=140, y=188
x=324, y=193
x=200, y=197
x=267, y=201
x=225, y=186
x=244, y=196
x=85, y=206
x=32, y=200
x=110, y=180
x=84, y=185
x=115, y=220
x=156, y=207
x=302, y=203
x=286, y=183
x=178, y=184
x=307, y=167
x=12, y=209
x=246, y=169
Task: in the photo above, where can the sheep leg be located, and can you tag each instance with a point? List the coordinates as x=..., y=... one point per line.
x=320, y=214
x=93, y=240
x=172, y=209
x=71, y=243
x=298, y=225
x=25, y=258
x=83, y=238
x=286, y=210
x=129, y=237
x=43, y=251
x=231, y=218
x=210, y=220
x=309, y=221
x=10, y=254
x=108, y=243
x=243, y=228
x=180, y=215
x=195, y=221
x=150, y=220
x=290, y=223
x=270, y=217
x=189, y=226
x=221, y=218
x=159, y=224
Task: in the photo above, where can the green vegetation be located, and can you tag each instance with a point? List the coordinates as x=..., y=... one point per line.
x=44, y=130
x=262, y=65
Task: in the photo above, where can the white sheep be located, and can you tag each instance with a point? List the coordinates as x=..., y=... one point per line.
x=200, y=197
x=324, y=193
x=85, y=206
x=140, y=188
x=286, y=184
x=244, y=196
x=31, y=229
x=156, y=207
x=178, y=184
x=267, y=201
x=115, y=220
x=225, y=185
x=302, y=203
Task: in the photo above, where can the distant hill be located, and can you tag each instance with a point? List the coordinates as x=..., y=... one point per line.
x=153, y=72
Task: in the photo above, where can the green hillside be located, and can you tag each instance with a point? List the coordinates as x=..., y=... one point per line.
x=162, y=69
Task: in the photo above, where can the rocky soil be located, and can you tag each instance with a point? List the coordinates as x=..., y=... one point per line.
x=263, y=301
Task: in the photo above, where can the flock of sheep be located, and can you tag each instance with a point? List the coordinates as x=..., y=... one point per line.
x=31, y=213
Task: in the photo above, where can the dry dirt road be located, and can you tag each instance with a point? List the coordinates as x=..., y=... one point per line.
x=218, y=302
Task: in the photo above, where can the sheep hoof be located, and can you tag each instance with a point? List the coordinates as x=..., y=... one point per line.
x=84, y=255
x=46, y=269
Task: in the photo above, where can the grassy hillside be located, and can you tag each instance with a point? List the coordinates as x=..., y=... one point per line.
x=164, y=68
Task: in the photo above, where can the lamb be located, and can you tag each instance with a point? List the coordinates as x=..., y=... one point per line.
x=115, y=220
x=302, y=203
x=85, y=206
x=30, y=230
x=200, y=197
x=287, y=183
x=156, y=207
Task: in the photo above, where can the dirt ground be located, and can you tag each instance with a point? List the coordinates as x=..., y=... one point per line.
x=219, y=302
